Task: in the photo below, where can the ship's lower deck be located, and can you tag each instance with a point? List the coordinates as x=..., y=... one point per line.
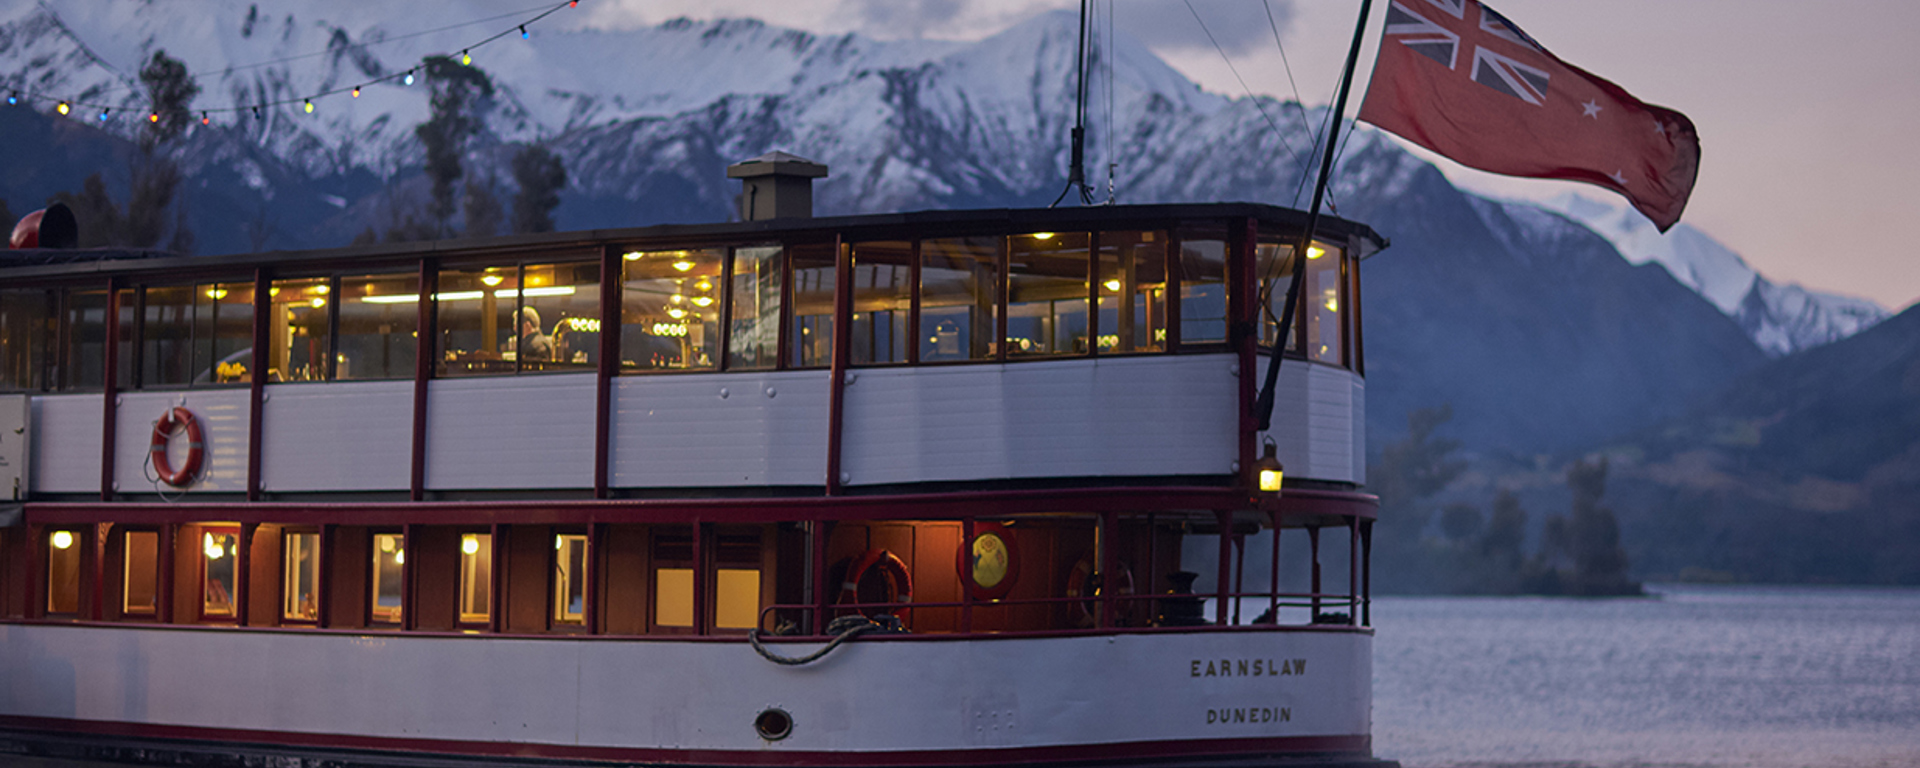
x=1205, y=693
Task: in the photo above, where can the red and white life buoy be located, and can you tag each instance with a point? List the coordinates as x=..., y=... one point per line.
x=175, y=420
x=1082, y=582
x=899, y=581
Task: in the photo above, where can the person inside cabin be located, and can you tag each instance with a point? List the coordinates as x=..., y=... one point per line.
x=532, y=345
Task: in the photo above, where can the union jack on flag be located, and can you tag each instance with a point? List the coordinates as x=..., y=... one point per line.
x=1460, y=79
x=1436, y=39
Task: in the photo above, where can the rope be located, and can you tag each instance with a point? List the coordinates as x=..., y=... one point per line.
x=843, y=629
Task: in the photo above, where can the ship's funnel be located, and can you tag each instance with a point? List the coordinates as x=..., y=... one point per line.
x=776, y=185
x=49, y=227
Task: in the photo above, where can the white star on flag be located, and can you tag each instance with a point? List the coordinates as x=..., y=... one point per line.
x=1618, y=177
x=1590, y=109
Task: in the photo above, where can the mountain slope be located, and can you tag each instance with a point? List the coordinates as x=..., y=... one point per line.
x=1780, y=318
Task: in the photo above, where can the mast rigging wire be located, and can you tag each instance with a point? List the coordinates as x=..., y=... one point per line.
x=1076, y=163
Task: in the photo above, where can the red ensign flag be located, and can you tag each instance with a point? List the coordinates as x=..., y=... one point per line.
x=1460, y=79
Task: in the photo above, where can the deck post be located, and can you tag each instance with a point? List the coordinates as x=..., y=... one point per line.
x=1313, y=543
x=163, y=610
x=837, y=376
x=1366, y=573
x=257, y=383
x=243, y=571
x=109, y=387
x=609, y=366
x=1353, y=571
x=423, y=353
x=409, y=617
x=97, y=553
x=323, y=613
x=701, y=541
x=820, y=530
x=1273, y=571
x=966, y=577
x=1225, y=518
x=1244, y=334
x=1109, y=564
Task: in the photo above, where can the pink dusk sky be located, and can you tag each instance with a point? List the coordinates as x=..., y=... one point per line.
x=1806, y=111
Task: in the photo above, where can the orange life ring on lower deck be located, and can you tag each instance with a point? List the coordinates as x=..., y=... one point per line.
x=1083, y=582
x=899, y=580
x=177, y=418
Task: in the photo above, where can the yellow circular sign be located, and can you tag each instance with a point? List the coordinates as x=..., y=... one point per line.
x=989, y=560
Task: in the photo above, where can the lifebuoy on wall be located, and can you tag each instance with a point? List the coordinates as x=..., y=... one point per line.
x=899, y=581
x=1083, y=582
x=175, y=420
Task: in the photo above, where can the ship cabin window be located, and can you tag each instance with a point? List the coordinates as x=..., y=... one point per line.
x=753, y=325
x=300, y=574
x=298, y=330
x=1133, y=292
x=64, y=547
x=1203, y=290
x=1047, y=294
x=83, y=341
x=385, y=579
x=672, y=561
x=24, y=316
x=737, y=582
x=959, y=299
x=507, y=319
x=882, y=302
x=670, y=303
x=1320, y=316
x=379, y=325
x=1322, y=300
x=570, y=566
x=140, y=573
x=195, y=335
x=811, y=336
x=219, y=572
x=476, y=578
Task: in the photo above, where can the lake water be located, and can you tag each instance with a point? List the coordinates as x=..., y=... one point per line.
x=1742, y=677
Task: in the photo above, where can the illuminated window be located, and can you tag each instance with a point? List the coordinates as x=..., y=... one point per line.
x=736, y=598
x=959, y=298
x=1133, y=291
x=673, y=597
x=297, y=329
x=219, y=573
x=1324, y=302
x=1047, y=294
x=670, y=309
x=140, y=588
x=476, y=578
x=23, y=338
x=63, y=572
x=379, y=320
x=570, y=579
x=389, y=557
x=82, y=360
x=811, y=336
x=300, y=592
x=882, y=297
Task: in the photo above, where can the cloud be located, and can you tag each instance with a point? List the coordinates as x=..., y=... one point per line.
x=1239, y=26
x=905, y=19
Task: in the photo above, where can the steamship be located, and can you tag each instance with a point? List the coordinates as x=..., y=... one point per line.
x=979, y=487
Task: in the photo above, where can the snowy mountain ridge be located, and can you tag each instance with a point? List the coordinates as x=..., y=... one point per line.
x=1781, y=318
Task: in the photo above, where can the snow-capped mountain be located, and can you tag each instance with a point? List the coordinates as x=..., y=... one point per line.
x=1781, y=318
x=1533, y=328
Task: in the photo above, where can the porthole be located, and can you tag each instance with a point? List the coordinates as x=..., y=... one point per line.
x=773, y=724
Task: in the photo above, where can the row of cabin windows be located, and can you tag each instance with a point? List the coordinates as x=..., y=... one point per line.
x=212, y=568
x=724, y=308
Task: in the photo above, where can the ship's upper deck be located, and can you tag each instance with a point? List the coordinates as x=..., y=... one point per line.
x=867, y=354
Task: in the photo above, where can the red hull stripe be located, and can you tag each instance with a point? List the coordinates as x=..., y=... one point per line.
x=1138, y=751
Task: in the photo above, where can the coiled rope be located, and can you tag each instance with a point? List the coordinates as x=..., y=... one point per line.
x=843, y=629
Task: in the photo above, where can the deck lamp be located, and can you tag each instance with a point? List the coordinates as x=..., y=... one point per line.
x=62, y=539
x=1271, y=473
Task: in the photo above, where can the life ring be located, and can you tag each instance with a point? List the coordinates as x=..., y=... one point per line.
x=1083, y=582
x=899, y=580
x=175, y=419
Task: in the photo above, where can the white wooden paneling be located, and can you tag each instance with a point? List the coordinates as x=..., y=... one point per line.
x=1359, y=428
x=1318, y=420
x=66, y=444
x=868, y=696
x=347, y=436
x=223, y=418
x=732, y=429
x=531, y=431
x=16, y=446
x=1134, y=416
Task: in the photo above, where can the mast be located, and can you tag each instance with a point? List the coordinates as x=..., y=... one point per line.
x=1263, y=405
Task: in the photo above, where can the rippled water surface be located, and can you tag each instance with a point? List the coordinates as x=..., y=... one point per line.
x=1697, y=676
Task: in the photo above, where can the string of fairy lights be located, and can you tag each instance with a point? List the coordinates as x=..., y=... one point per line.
x=67, y=106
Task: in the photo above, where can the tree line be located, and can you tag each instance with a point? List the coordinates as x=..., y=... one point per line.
x=1577, y=553
x=154, y=216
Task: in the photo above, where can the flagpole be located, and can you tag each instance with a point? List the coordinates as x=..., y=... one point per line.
x=1263, y=406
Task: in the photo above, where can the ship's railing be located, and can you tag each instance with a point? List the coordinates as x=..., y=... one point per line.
x=1163, y=612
